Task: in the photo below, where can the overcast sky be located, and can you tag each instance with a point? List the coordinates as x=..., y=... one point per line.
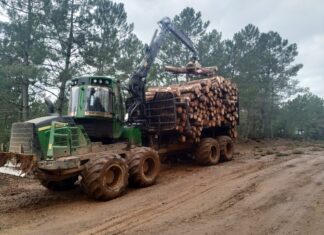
x=300, y=22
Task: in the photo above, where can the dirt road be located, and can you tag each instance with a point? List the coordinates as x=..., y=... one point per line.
x=274, y=188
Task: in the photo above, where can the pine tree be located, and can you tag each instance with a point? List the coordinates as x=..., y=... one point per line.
x=173, y=52
x=109, y=46
x=262, y=64
x=22, y=47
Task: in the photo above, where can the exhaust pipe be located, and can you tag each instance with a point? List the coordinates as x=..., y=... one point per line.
x=50, y=106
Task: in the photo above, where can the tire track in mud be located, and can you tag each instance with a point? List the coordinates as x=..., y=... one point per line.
x=305, y=177
x=293, y=201
x=133, y=211
x=268, y=210
x=166, y=205
x=223, y=209
x=136, y=218
x=183, y=197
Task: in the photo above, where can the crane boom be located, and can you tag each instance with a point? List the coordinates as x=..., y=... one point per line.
x=137, y=81
x=166, y=23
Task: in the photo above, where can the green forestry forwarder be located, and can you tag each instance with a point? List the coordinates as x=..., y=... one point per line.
x=98, y=143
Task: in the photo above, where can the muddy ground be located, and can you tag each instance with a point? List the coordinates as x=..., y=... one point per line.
x=272, y=187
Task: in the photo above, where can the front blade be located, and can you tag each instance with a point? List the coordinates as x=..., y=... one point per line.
x=16, y=164
x=11, y=169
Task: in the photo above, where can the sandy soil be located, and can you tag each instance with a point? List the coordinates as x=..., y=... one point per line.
x=269, y=188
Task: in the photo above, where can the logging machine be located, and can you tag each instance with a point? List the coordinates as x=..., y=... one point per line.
x=106, y=139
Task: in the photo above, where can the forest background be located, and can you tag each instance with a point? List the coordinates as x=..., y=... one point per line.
x=44, y=43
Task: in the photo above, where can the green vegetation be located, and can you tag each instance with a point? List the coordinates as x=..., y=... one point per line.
x=302, y=117
x=46, y=42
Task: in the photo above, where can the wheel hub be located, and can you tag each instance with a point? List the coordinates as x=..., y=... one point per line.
x=145, y=167
x=110, y=177
x=148, y=167
x=113, y=176
x=213, y=152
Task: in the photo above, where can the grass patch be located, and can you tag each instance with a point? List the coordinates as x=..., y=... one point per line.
x=282, y=154
x=298, y=152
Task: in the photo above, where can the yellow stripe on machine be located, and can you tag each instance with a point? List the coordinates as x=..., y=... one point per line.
x=44, y=128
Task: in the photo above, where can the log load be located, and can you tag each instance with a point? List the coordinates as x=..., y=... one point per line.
x=196, y=70
x=204, y=103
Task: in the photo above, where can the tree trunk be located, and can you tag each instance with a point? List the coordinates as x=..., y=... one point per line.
x=65, y=75
x=61, y=96
x=25, y=99
x=24, y=79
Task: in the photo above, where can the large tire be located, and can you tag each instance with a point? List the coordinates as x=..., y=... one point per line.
x=144, y=167
x=62, y=185
x=105, y=177
x=208, y=152
x=226, y=148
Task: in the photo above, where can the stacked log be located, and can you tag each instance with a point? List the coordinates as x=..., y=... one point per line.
x=209, y=102
x=195, y=70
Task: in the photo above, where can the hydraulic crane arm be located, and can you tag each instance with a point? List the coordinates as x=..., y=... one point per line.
x=137, y=81
x=166, y=23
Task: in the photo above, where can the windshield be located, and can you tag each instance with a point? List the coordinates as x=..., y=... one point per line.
x=98, y=101
x=73, y=103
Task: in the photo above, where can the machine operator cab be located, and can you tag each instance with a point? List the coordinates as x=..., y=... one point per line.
x=96, y=104
x=97, y=96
